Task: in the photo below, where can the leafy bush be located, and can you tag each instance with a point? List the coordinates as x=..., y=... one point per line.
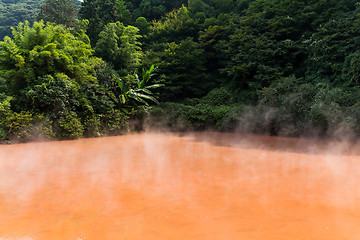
x=92, y=125
x=24, y=125
x=70, y=126
x=181, y=117
x=285, y=104
x=52, y=95
x=218, y=96
x=114, y=122
x=19, y=124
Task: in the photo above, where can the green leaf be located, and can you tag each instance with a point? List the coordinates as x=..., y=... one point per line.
x=155, y=86
x=145, y=90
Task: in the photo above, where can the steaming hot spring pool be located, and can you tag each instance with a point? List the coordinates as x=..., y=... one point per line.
x=156, y=186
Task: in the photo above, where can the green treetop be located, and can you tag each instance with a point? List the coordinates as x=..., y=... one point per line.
x=59, y=12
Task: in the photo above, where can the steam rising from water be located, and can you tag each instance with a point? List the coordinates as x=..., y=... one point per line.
x=162, y=186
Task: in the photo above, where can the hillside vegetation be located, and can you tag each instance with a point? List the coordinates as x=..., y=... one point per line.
x=286, y=67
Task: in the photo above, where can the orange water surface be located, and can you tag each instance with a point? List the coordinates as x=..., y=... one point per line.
x=209, y=186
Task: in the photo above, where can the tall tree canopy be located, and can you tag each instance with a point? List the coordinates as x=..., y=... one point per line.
x=59, y=12
x=287, y=65
x=14, y=12
x=101, y=12
x=119, y=45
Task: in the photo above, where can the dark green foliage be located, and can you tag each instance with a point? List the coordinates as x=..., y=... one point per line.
x=14, y=12
x=114, y=122
x=213, y=111
x=182, y=69
x=122, y=12
x=300, y=107
x=143, y=25
x=59, y=12
x=333, y=50
x=154, y=9
x=51, y=95
x=279, y=67
x=101, y=12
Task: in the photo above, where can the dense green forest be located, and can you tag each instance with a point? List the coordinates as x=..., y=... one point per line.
x=12, y=12
x=288, y=68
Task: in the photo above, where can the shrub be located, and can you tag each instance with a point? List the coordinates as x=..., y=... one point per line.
x=19, y=124
x=218, y=96
x=92, y=125
x=285, y=105
x=70, y=126
x=114, y=122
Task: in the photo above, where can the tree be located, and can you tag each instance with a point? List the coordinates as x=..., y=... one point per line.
x=174, y=27
x=119, y=46
x=143, y=25
x=101, y=12
x=59, y=12
x=14, y=12
x=124, y=15
x=181, y=67
x=155, y=9
x=44, y=66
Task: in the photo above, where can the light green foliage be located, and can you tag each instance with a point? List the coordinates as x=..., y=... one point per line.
x=175, y=26
x=24, y=125
x=92, y=125
x=5, y=110
x=52, y=83
x=45, y=50
x=44, y=66
x=70, y=126
x=5, y=113
x=119, y=46
x=19, y=124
